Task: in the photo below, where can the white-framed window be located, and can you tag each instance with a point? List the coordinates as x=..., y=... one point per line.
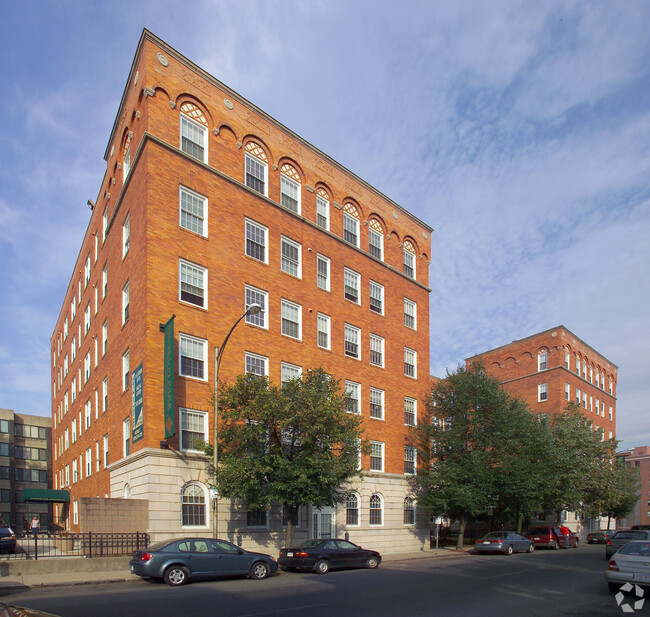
x=410, y=411
x=289, y=190
x=323, y=331
x=591, y=404
x=597, y=378
x=193, y=212
x=73, y=349
x=87, y=319
x=542, y=392
x=352, y=340
x=66, y=439
x=104, y=280
x=410, y=460
x=65, y=403
x=376, y=243
x=567, y=391
x=75, y=471
x=611, y=413
x=591, y=374
x=257, y=241
x=257, y=296
x=352, y=518
x=96, y=296
x=352, y=397
x=409, y=259
x=352, y=285
x=577, y=366
x=193, y=357
x=351, y=229
x=105, y=450
x=584, y=400
x=376, y=350
x=194, y=139
x=126, y=163
x=74, y=430
x=255, y=364
x=87, y=271
x=256, y=174
x=584, y=370
x=192, y=284
x=65, y=366
x=104, y=224
x=291, y=314
x=73, y=308
x=126, y=235
x=410, y=363
x=376, y=456
x=105, y=394
x=194, y=429
x=409, y=510
x=577, y=396
x=376, y=403
x=87, y=365
x=322, y=209
x=193, y=505
x=126, y=298
x=104, y=337
x=126, y=376
x=291, y=257
x=73, y=389
x=126, y=437
x=567, y=360
x=98, y=460
x=89, y=462
x=65, y=328
x=376, y=297
x=289, y=372
x=542, y=361
x=323, y=272
x=376, y=510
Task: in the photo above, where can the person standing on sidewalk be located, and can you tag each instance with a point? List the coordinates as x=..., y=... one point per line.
x=34, y=525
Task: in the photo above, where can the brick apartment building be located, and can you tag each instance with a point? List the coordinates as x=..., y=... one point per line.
x=551, y=368
x=640, y=459
x=209, y=205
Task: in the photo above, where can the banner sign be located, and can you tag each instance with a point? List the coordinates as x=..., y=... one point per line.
x=137, y=418
x=168, y=381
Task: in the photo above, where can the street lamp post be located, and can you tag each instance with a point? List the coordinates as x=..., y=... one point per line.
x=253, y=309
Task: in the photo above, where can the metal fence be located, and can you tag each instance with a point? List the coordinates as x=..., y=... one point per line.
x=88, y=544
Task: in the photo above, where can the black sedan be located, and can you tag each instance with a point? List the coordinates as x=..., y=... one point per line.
x=321, y=556
x=177, y=561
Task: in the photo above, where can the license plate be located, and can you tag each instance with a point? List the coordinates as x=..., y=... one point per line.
x=486, y=543
x=289, y=554
x=642, y=578
x=535, y=538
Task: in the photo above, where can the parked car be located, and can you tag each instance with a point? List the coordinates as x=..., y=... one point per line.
x=621, y=538
x=7, y=540
x=600, y=537
x=507, y=542
x=549, y=536
x=178, y=561
x=631, y=564
x=321, y=556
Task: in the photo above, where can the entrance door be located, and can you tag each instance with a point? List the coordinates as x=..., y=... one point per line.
x=323, y=524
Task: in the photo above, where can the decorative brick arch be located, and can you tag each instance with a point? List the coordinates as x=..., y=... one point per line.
x=254, y=148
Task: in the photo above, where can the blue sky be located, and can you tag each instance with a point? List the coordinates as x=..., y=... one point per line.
x=520, y=131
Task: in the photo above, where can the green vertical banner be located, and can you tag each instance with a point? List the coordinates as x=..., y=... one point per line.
x=168, y=380
x=137, y=419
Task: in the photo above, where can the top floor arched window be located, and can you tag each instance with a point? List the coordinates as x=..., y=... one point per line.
x=322, y=209
x=351, y=224
x=194, y=132
x=256, y=168
x=376, y=239
x=290, y=188
x=409, y=258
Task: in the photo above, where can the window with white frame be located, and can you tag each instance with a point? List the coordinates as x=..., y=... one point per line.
x=567, y=391
x=409, y=259
x=577, y=366
x=89, y=462
x=542, y=361
x=257, y=296
x=87, y=319
x=74, y=430
x=376, y=350
x=65, y=328
x=291, y=314
x=104, y=224
x=352, y=285
x=611, y=413
x=104, y=337
x=376, y=456
x=73, y=349
x=584, y=400
x=352, y=509
x=290, y=188
x=410, y=460
x=96, y=297
x=125, y=370
x=410, y=411
x=75, y=471
x=126, y=235
x=65, y=366
x=97, y=457
x=256, y=241
x=567, y=359
x=256, y=365
x=194, y=429
x=192, y=284
x=410, y=362
x=193, y=212
x=194, y=136
x=352, y=336
x=126, y=163
x=577, y=396
x=591, y=404
x=193, y=357
x=376, y=510
x=105, y=450
x=376, y=297
x=376, y=403
x=126, y=296
x=104, y=280
x=323, y=331
x=542, y=392
x=611, y=387
x=105, y=394
x=289, y=372
x=352, y=397
x=256, y=168
x=322, y=209
x=88, y=411
x=376, y=240
x=591, y=374
x=291, y=257
x=350, y=227
x=193, y=506
x=73, y=308
x=584, y=370
x=73, y=388
x=87, y=271
x=323, y=272
x=409, y=510
x=597, y=378
x=126, y=437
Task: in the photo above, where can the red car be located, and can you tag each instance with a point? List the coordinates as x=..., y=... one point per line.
x=549, y=536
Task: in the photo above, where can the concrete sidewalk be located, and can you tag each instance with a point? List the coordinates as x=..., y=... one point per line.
x=56, y=572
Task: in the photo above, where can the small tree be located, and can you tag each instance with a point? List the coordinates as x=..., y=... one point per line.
x=293, y=445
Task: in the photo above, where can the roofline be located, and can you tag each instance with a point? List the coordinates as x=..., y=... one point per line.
x=147, y=35
x=538, y=334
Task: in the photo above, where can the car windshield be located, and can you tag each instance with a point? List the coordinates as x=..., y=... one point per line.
x=641, y=549
x=497, y=534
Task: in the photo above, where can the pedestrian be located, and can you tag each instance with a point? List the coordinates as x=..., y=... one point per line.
x=34, y=525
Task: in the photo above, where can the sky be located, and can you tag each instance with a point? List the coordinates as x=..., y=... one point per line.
x=519, y=131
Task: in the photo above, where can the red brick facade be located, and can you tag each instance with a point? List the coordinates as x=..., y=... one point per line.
x=550, y=368
x=148, y=127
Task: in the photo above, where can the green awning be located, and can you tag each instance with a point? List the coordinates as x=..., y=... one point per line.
x=47, y=495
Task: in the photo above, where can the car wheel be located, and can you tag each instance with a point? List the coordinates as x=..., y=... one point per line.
x=555, y=546
x=372, y=562
x=509, y=550
x=576, y=544
x=531, y=548
x=322, y=566
x=259, y=570
x=176, y=576
x=613, y=587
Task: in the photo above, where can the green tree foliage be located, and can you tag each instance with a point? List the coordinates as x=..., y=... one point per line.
x=292, y=445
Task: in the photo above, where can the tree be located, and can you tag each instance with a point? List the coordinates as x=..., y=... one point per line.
x=294, y=445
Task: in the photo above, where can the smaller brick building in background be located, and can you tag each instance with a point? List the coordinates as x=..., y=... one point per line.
x=640, y=459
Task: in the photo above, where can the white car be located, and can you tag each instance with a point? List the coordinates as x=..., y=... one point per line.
x=631, y=564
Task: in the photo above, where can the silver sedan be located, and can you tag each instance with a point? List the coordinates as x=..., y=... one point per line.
x=507, y=542
x=631, y=564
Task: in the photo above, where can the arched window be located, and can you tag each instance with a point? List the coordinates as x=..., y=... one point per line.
x=256, y=168
x=376, y=239
x=352, y=509
x=376, y=510
x=194, y=132
x=351, y=224
x=409, y=258
x=193, y=505
x=127, y=491
x=290, y=188
x=409, y=510
x=322, y=209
